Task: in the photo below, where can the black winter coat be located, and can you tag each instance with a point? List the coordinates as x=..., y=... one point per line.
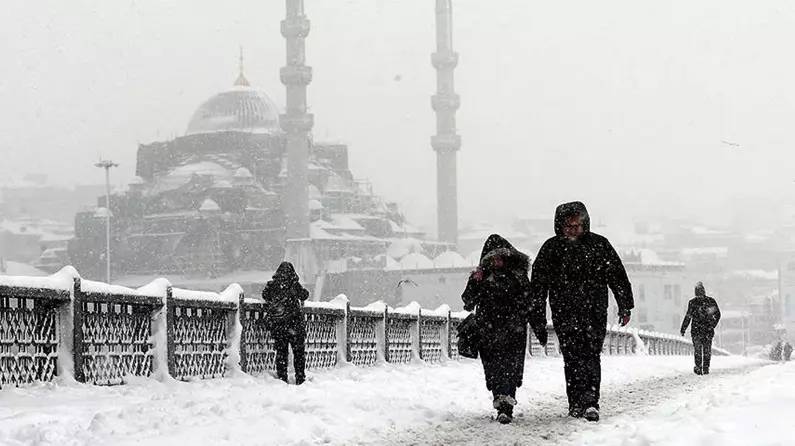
x=501, y=294
x=284, y=297
x=575, y=275
x=705, y=314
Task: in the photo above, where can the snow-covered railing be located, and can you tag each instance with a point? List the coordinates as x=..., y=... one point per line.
x=625, y=341
x=65, y=326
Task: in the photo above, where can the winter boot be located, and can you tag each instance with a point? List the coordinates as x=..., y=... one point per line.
x=504, y=405
x=591, y=414
x=697, y=370
x=576, y=412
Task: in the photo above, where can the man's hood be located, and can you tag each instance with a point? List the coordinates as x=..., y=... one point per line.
x=566, y=210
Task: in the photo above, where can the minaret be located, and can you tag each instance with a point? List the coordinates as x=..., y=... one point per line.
x=446, y=142
x=296, y=122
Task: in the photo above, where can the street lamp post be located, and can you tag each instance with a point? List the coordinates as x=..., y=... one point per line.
x=107, y=164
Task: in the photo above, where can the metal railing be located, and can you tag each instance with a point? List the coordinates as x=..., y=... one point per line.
x=101, y=334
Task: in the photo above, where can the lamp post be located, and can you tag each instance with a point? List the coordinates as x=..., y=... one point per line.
x=107, y=164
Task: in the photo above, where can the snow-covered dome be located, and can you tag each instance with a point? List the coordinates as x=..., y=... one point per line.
x=416, y=261
x=474, y=257
x=450, y=259
x=242, y=109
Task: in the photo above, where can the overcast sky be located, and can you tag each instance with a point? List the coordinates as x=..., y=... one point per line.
x=621, y=104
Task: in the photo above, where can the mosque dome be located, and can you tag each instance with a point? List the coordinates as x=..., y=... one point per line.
x=242, y=109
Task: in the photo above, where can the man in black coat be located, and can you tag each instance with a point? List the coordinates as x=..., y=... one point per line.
x=705, y=314
x=574, y=269
x=499, y=291
x=284, y=297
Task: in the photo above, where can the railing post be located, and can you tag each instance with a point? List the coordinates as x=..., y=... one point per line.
x=416, y=336
x=348, y=326
x=449, y=336
x=241, y=313
x=234, y=334
x=343, y=352
x=65, y=332
x=160, y=341
x=386, y=333
x=78, y=317
x=171, y=320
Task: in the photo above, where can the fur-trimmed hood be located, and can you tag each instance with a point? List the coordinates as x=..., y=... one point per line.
x=497, y=246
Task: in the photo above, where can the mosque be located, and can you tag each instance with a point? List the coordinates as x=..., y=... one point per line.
x=247, y=186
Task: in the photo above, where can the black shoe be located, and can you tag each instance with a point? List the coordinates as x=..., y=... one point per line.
x=299, y=380
x=591, y=414
x=697, y=371
x=504, y=418
x=576, y=412
x=705, y=372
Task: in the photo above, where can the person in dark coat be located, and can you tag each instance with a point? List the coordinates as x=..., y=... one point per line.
x=284, y=297
x=705, y=314
x=498, y=291
x=574, y=269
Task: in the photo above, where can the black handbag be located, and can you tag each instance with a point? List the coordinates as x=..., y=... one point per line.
x=468, y=337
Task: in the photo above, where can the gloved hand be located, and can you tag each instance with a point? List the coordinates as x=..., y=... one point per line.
x=623, y=317
x=478, y=274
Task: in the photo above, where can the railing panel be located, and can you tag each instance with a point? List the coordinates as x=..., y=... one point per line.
x=199, y=342
x=116, y=341
x=321, y=339
x=454, y=323
x=260, y=352
x=431, y=329
x=399, y=335
x=362, y=338
x=28, y=340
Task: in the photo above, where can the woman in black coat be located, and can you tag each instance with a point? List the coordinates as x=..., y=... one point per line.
x=498, y=290
x=284, y=297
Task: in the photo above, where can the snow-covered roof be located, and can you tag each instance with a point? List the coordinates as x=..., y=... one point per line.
x=450, y=259
x=416, y=261
x=720, y=251
x=401, y=247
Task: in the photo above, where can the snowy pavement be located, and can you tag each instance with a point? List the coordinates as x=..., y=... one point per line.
x=645, y=401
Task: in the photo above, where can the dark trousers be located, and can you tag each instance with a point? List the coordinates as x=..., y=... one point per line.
x=294, y=336
x=582, y=367
x=702, y=349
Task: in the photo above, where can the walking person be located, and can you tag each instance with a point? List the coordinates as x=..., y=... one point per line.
x=498, y=291
x=284, y=297
x=705, y=314
x=574, y=269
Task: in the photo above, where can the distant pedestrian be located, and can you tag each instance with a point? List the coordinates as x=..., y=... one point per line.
x=498, y=291
x=284, y=297
x=705, y=314
x=574, y=269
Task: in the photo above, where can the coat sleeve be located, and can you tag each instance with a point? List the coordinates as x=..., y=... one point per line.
x=688, y=316
x=539, y=289
x=266, y=294
x=716, y=315
x=471, y=294
x=303, y=293
x=618, y=281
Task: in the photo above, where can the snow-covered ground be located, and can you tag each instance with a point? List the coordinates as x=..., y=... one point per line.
x=645, y=401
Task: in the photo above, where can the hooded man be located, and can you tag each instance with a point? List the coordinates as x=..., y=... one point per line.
x=499, y=291
x=284, y=297
x=574, y=269
x=705, y=314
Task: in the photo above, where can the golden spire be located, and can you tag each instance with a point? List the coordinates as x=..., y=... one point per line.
x=241, y=79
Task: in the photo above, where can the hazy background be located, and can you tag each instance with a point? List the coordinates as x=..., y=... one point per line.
x=622, y=104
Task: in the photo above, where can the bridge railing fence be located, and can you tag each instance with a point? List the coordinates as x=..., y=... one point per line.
x=102, y=334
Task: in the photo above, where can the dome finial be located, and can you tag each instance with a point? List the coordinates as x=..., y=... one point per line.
x=241, y=79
